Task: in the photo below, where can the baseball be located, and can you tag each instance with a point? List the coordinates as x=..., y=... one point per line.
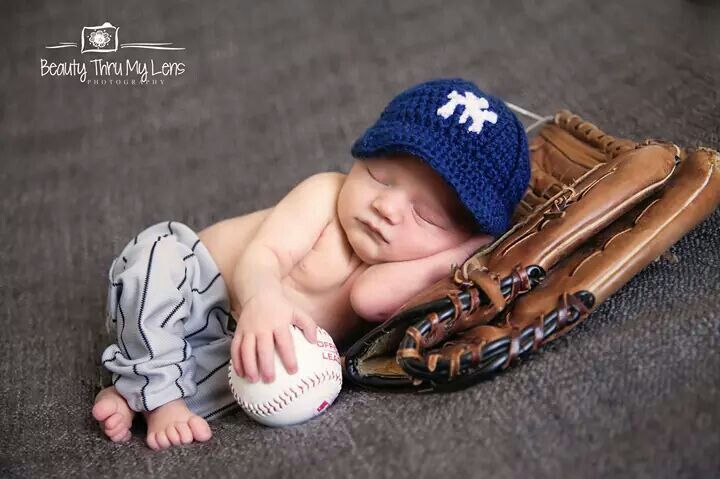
x=292, y=399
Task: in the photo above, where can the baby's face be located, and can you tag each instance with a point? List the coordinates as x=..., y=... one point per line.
x=411, y=206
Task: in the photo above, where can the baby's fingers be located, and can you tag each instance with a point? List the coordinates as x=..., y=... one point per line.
x=235, y=353
x=286, y=349
x=266, y=356
x=247, y=353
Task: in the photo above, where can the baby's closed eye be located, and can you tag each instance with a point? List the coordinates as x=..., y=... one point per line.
x=374, y=177
x=419, y=215
x=419, y=211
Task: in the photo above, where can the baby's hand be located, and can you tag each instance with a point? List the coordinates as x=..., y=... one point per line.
x=265, y=321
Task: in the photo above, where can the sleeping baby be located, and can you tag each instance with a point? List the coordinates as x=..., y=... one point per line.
x=434, y=179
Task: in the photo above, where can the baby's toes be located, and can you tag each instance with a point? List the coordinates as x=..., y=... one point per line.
x=186, y=435
x=114, y=421
x=103, y=409
x=115, y=431
x=200, y=429
x=116, y=424
x=173, y=435
x=121, y=436
x=151, y=441
x=162, y=440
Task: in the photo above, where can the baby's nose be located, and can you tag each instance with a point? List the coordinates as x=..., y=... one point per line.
x=390, y=207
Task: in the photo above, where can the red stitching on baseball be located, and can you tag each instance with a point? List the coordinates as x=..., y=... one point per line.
x=267, y=408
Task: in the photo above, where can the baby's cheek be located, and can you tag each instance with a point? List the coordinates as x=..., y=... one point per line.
x=413, y=247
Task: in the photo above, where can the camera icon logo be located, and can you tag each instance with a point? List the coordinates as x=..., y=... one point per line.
x=101, y=39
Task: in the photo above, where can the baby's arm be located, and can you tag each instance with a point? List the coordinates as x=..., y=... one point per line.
x=286, y=235
x=383, y=288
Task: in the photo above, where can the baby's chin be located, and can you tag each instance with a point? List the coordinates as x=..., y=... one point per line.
x=365, y=254
x=365, y=249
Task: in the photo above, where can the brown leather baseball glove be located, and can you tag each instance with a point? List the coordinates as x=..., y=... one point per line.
x=597, y=211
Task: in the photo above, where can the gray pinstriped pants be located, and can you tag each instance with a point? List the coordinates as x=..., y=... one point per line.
x=168, y=309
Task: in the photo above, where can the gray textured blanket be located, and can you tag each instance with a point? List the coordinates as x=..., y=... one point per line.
x=273, y=92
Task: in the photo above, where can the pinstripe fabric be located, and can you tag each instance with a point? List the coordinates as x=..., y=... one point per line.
x=168, y=309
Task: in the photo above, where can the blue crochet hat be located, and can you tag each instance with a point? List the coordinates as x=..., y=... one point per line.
x=470, y=138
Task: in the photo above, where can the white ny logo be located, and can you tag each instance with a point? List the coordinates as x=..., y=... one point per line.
x=475, y=108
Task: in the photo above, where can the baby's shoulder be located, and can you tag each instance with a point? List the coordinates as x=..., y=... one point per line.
x=326, y=185
x=333, y=178
x=330, y=175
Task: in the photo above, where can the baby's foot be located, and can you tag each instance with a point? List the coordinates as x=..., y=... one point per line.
x=174, y=424
x=113, y=413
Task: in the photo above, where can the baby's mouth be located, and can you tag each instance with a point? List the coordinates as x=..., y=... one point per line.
x=374, y=233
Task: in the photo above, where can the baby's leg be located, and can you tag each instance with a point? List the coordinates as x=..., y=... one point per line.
x=164, y=290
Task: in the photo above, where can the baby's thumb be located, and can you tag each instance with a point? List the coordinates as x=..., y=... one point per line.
x=306, y=323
